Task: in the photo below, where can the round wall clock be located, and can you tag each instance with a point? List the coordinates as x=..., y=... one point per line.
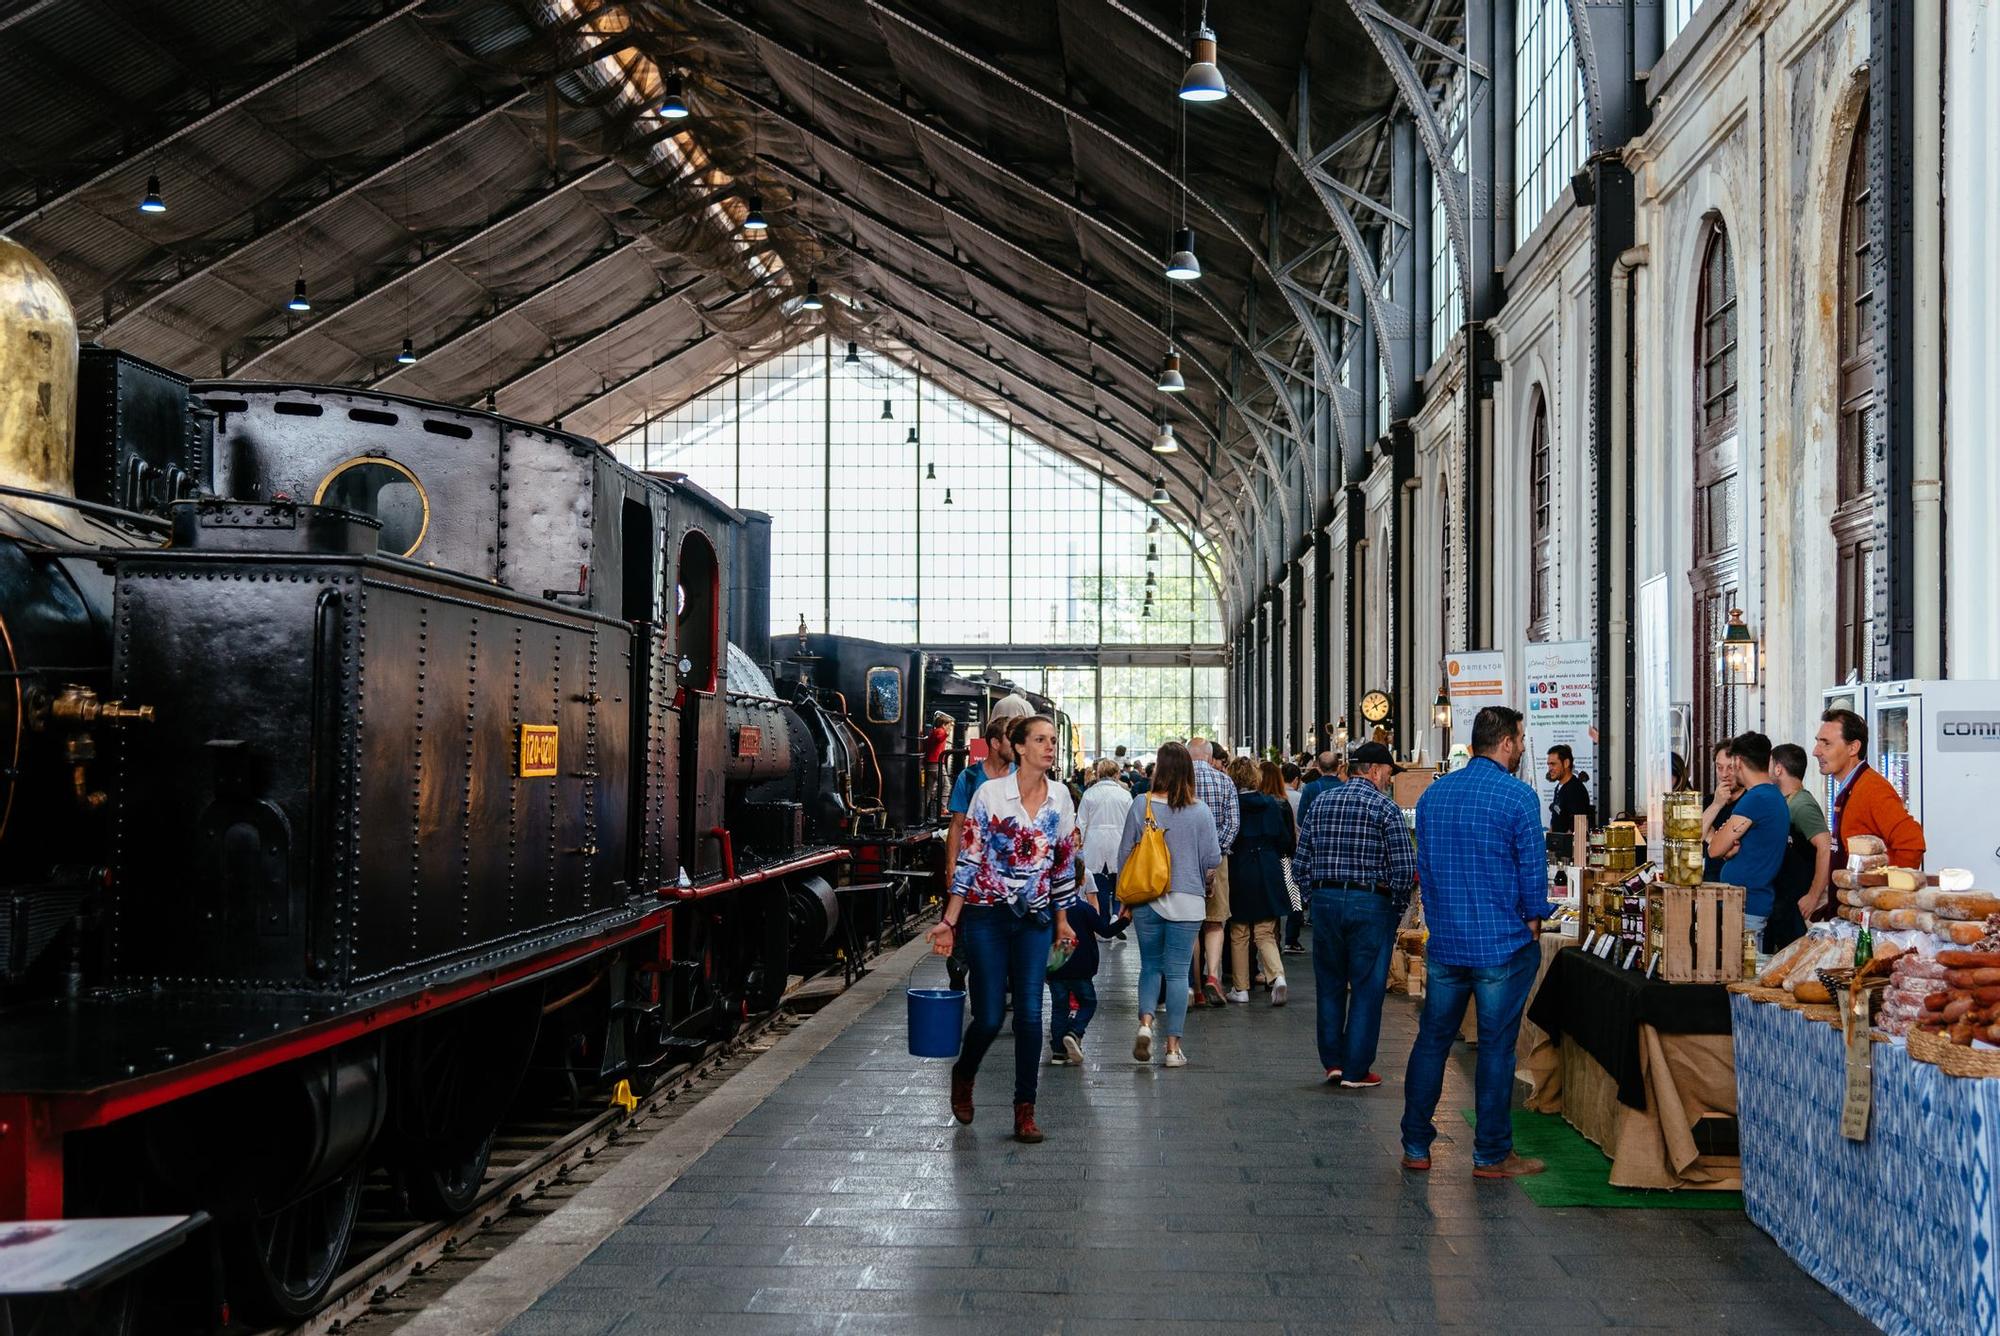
x=1375, y=706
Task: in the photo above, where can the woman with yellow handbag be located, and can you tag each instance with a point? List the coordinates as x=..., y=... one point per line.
x=1165, y=857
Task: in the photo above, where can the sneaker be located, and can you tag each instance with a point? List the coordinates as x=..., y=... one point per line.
x=1142, y=1047
x=1211, y=988
x=1240, y=995
x=1368, y=1082
x=961, y=1098
x=1514, y=1166
x=1333, y=1076
x=1073, y=1049
x=1024, y=1124
x=1058, y=1060
x=1177, y=1058
x=1294, y=949
x=1420, y=1164
x=1279, y=991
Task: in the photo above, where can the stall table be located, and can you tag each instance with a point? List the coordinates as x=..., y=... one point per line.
x=1635, y=1065
x=1901, y=1225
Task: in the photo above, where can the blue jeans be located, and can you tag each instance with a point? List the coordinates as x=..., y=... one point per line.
x=1004, y=952
x=1062, y=992
x=1166, y=949
x=1107, y=894
x=1353, y=932
x=1501, y=994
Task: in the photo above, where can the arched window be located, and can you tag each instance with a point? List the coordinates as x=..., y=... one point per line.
x=1717, y=495
x=1541, y=523
x=1855, y=503
x=1548, y=110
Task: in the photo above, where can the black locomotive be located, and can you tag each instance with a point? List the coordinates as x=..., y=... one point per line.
x=367, y=753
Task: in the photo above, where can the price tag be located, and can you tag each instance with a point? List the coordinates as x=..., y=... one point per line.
x=1858, y=1098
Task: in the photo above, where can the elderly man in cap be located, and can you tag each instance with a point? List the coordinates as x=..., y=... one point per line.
x=1354, y=857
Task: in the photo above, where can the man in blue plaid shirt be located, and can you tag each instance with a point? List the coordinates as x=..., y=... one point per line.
x=1354, y=853
x=1484, y=868
x=1213, y=786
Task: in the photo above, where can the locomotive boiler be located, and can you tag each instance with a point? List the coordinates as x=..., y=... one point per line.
x=366, y=755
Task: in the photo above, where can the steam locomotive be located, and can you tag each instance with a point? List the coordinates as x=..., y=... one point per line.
x=366, y=753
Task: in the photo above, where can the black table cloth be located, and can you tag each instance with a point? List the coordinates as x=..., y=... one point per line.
x=1602, y=1007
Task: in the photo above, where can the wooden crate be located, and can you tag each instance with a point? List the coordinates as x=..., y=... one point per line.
x=1701, y=928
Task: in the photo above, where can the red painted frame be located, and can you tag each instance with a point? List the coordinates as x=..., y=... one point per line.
x=32, y=1126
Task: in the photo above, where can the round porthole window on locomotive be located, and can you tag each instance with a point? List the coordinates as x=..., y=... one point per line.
x=382, y=490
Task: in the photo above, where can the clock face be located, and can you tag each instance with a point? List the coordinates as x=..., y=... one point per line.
x=1375, y=707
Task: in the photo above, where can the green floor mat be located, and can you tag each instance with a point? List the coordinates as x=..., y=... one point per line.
x=1577, y=1171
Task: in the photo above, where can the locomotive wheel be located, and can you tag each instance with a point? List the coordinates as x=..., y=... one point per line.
x=443, y=1185
x=282, y=1262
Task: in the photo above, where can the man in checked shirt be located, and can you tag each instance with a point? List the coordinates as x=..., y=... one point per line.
x=1213, y=786
x=1354, y=854
x=1485, y=873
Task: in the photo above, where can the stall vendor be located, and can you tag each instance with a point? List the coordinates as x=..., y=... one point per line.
x=1864, y=803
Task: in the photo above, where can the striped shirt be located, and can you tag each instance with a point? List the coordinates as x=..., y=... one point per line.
x=1483, y=864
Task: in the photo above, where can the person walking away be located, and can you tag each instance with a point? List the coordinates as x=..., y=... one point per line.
x=1214, y=786
x=998, y=761
x=1323, y=783
x=1016, y=879
x=1141, y=780
x=1355, y=860
x=1293, y=778
x=1167, y=927
x=1864, y=803
x=937, y=750
x=1719, y=807
x=1257, y=881
x=1572, y=798
x=1101, y=818
x=1483, y=870
x=1808, y=865
x=1752, y=841
x=1072, y=984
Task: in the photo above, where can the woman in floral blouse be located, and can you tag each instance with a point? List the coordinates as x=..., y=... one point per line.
x=1017, y=875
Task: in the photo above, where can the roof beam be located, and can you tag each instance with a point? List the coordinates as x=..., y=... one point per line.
x=252, y=349
x=591, y=401
x=561, y=352
x=139, y=295
x=93, y=175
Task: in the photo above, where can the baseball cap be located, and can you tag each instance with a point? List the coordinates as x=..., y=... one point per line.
x=1374, y=753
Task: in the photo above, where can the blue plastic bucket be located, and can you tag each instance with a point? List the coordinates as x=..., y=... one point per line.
x=937, y=1021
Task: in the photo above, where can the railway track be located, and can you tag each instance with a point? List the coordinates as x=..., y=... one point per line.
x=539, y=1162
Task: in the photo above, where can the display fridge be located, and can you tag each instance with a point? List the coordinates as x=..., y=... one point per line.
x=1938, y=743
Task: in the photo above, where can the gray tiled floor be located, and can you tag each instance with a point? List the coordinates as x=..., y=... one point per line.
x=1237, y=1195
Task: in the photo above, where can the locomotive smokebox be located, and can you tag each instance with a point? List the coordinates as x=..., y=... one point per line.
x=37, y=376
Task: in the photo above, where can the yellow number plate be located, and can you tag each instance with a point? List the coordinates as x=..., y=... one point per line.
x=538, y=751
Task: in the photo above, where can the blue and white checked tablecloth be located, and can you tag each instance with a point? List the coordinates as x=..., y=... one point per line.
x=1902, y=1226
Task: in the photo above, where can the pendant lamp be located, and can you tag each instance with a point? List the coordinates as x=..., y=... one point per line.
x=1181, y=264
x=1170, y=380
x=1203, y=81
x=1164, y=442
x=151, y=201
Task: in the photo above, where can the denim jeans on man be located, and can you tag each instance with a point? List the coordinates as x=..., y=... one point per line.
x=1005, y=952
x=1354, y=932
x=1063, y=994
x=1165, y=949
x=1500, y=993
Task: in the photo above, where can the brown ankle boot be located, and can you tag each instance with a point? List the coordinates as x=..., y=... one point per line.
x=1024, y=1124
x=961, y=1097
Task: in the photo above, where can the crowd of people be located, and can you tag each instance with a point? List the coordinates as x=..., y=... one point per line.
x=1254, y=848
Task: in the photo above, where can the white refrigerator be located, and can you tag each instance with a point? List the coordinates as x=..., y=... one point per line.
x=1938, y=743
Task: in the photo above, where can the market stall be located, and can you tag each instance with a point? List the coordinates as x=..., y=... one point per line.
x=1641, y=1067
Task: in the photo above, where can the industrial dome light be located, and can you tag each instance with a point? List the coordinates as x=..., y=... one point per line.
x=853, y=357
x=811, y=301
x=1203, y=81
x=298, y=301
x=1181, y=264
x=1170, y=380
x=912, y=438
x=673, y=104
x=930, y=472
x=1160, y=497
x=151, y=202
x=888, y=413
x=753, y=220
x=947, y=496
x=1164, y=442
x=409, y=353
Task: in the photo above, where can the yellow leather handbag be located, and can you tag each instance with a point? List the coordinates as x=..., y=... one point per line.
x=1149, y=868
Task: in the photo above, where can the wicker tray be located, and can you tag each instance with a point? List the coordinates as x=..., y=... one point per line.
x=1820, y=1011
x=1927, y=1047
x=1957, y=1060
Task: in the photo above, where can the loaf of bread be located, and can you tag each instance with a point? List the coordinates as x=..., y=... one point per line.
x=1866, y=845
x=1959, y=932
x=1853, y=896
x=1784, y=959
x=1969, y=960
x=1812, y=990
x=1965, y=904
x=1889, y=898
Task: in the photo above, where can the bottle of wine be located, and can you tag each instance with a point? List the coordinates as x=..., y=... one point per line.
x=1864, y=947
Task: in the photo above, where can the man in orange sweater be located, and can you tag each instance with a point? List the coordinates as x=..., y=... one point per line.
x=1864, y=803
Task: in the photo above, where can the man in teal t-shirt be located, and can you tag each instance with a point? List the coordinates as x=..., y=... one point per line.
x=1753, y=839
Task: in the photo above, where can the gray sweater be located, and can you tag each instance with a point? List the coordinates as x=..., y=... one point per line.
x=1191, y=847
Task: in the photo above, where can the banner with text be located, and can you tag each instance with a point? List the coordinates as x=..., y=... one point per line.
x=1562, y=707
x=1474, y=679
